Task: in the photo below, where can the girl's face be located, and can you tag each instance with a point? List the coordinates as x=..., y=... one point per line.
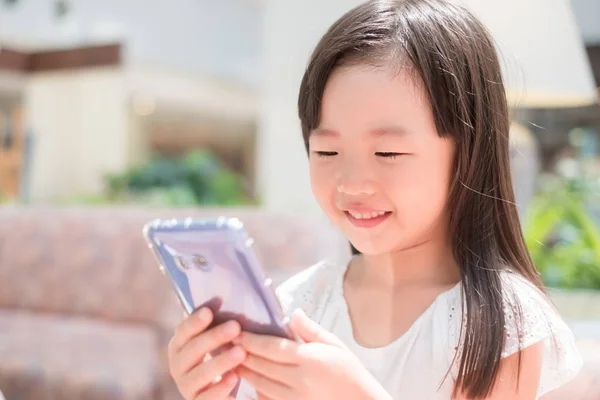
x=378, y=167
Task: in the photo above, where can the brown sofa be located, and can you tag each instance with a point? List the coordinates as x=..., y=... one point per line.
x=84, y=311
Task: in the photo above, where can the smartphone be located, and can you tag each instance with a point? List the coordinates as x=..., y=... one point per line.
x=212, y=263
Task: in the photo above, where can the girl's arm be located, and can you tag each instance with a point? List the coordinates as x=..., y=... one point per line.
x=507, y=386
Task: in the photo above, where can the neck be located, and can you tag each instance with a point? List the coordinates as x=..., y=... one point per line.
x=429, y=263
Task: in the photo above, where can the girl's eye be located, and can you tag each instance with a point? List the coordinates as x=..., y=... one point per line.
x=388, y=155
x=326, y=153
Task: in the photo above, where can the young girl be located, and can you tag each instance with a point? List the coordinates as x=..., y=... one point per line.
x=405, y=121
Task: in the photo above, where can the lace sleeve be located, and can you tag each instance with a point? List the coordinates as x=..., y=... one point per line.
x=539, y=322
x=307, y=289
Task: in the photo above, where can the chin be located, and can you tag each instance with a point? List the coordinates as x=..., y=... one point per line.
x=371, y=248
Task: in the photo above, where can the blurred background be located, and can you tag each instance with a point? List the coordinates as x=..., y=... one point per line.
x=116, y=112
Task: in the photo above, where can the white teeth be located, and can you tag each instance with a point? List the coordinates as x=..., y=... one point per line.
x=373, y=214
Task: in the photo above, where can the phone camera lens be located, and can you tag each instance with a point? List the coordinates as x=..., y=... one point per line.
x=200, y=262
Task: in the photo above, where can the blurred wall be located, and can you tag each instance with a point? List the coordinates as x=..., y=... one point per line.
x=200, y=36
x=80, y=120
x=587, y=13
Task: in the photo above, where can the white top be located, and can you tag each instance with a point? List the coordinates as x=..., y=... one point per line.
x=413, y=366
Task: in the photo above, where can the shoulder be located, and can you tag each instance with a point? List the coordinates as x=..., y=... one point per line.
x=530, y=320
x=529, y=315
x=309, y=288
x=532, y=326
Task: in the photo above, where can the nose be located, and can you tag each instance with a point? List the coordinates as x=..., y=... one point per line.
x=355, y=181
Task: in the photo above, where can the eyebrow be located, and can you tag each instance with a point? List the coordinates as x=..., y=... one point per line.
x=380, y=131
x=324, y=132
x=390, y=130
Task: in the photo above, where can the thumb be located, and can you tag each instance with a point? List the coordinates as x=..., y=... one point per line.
x=310, y=331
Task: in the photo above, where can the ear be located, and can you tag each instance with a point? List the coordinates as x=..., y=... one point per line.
x=310, y=331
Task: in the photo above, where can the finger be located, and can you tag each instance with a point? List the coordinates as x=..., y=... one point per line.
x=265, y=386
x=196, y=349
x=192, y=326
x=279, y=350
x=206, y=373
x=219, y=390
x=310, y=331
x=284, y=374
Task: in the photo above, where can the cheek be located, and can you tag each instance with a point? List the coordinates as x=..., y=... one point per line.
x=322, y=184
x=421, y=190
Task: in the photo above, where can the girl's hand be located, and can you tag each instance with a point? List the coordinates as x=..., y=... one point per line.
x=194, y=372
x=321, y=368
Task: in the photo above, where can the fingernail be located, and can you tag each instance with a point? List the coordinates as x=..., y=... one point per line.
x=231, y=327
x=203, y=314
x=236, y=353
x=231, y=379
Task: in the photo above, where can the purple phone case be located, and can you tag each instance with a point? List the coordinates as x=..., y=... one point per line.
x=212, y=263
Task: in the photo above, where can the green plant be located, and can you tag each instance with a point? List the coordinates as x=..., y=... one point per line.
x=83, y=200
x=198, y=178
x=561, y=233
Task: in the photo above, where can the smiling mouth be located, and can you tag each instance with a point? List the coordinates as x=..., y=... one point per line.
x=367, y=219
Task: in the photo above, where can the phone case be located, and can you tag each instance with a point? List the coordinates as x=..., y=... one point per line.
x=212, y=263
